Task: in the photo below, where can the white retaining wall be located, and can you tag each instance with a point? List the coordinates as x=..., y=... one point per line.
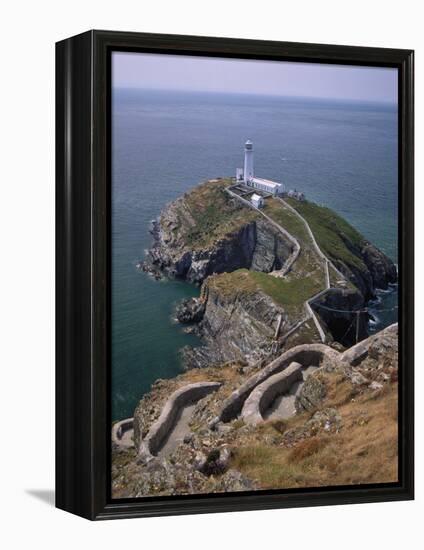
x=264, y=394
x=161, y=429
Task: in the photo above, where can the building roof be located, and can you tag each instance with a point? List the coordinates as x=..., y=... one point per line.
x=269, y=183
x=256, y=197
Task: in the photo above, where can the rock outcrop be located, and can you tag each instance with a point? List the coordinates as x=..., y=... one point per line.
x=208, y=238
x=311, y=394
x=238, y=324
x=383, y=271
x=337, y=310
x=319, y=445
x=206, y=231
x=207, y=234
x=373, y=271
x=254, y=245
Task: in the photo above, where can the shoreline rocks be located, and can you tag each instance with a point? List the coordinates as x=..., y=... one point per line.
x=237, y=325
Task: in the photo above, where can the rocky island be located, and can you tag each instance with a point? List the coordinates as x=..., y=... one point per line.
x=287, y=389
x=263, y=270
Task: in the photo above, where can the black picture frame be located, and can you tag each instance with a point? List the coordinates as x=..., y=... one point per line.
x=82, y=273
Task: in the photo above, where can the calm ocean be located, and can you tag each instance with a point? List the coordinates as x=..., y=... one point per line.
x=343, y=155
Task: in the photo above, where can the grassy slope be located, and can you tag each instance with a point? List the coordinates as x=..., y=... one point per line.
x=308, y=264
x=287, y=219
x=289, y=293
x=331, y=231
x=212, y=215
x=363, y=451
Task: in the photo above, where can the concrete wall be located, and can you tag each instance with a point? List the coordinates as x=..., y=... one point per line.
x=306, y=354
x=120, y=428
x=357, y=353
x=263, y=395
x=160, y=430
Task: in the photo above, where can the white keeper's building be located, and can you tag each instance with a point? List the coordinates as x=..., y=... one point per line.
x=257, y=200
x=246, y=175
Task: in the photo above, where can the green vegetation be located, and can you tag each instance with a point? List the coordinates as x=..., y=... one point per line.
x=334, y=235
x=308, y=266
x=283, y=216
x=208, y=214
x=231, y=284
x=291, y=294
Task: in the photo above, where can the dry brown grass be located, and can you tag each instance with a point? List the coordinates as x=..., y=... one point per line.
x=307, y=448
x=229, y=284
x=339, y=390
x=228, y=375
x=363, y=451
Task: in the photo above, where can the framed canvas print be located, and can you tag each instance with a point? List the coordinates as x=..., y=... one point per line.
x=234, y=274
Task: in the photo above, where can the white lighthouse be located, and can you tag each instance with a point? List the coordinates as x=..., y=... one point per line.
x=245, y=176
x=248, y=161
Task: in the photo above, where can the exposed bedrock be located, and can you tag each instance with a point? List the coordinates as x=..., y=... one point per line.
x=376, y=347
x=374, y=270
x=256, y=245
x=241, y=326
x=310, y=395
x=205, y=234
x=190, y=310
x=234, y=326
x=337, y=311
x=383, y=270
x=205, y=231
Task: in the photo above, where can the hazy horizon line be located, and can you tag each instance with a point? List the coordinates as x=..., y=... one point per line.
x=256, y=94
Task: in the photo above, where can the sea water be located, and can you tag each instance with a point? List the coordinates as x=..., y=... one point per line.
x=342, y=155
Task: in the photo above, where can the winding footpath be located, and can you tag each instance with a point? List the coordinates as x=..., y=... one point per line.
x=320, y=253
x=296, y=246
x=326, y=262
x=268, y=394
x=292, y=259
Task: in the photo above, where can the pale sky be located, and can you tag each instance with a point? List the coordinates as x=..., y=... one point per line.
x=177, y=72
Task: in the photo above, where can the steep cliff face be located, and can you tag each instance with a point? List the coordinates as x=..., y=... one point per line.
x=208, y=237
x=238, y=323
x=194, y=238
x=337, y=311
x=382, y=270
x=368, y=268
x=253, y=246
